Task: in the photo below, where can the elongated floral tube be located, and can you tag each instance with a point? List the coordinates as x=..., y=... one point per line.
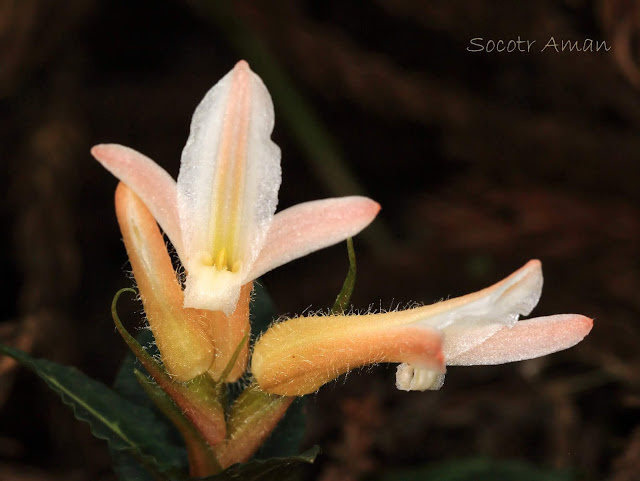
x=180, y=333
x=220, y=214
x=298, y=355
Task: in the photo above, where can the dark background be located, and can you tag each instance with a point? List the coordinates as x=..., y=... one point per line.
x=481, y=161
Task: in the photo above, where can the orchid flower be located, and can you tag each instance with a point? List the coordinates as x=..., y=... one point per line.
x=297, y=356
x=219, y=215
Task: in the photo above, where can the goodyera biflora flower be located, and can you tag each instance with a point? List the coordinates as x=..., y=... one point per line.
x=297, y=356
x=220, y=214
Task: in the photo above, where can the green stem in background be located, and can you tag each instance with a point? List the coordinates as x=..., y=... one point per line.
x=344, y=297
x=199, y=399
x=221, y=384
x=312, y=137
x=202, y=460
x=234, y=358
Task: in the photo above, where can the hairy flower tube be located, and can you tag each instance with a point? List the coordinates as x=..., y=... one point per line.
x=297, y=356
x=182, y=335
x=219, y=215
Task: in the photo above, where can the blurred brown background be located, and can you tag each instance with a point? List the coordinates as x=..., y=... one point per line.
x=481, y=161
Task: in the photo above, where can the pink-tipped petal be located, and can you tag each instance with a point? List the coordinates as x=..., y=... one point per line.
x=310, y=226
x=155, y=187
x=528, y=339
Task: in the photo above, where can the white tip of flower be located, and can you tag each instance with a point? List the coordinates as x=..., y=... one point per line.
x=519, y=293
x=211, y=289
x=410, y=378
x=502, y=303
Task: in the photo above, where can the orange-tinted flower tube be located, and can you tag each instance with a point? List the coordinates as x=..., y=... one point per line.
x=181, y=334
x=299, y=355
x=230, y=333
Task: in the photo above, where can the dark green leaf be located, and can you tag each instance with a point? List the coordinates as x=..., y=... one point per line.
x=124, y=425
x=127, y=385
x=273, y=469
x=343, y=299
x=477, y=469
x=128, y=469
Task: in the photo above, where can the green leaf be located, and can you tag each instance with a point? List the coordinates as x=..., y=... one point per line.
x=273, y=469
x=126, y=426
x=477, y=469
x=128, y=469
x=126, y=384
x=342, y=301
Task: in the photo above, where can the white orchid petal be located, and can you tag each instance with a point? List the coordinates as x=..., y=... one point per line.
x=459, y=339
x=227, y=188
x=527, y=339
x=502, y=303
x=310, y=226
x=149, y=181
